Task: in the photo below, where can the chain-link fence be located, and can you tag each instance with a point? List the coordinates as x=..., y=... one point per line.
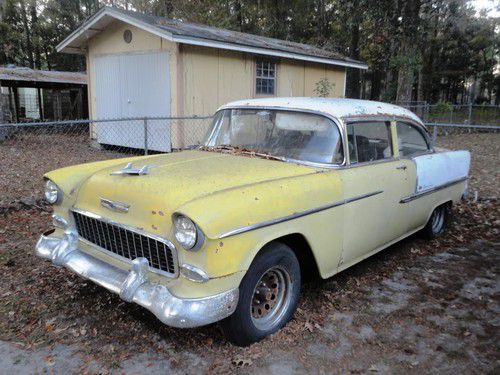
x=456, y=113
x=442, y=129
x=28, y=150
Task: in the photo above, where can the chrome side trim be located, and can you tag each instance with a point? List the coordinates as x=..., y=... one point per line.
x=132, y=229
x=135, y=285
x=297, y=215
x=423, y=193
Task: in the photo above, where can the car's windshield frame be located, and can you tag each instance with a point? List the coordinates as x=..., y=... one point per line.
x=333, y=120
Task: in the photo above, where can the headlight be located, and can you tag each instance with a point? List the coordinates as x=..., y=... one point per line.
x=185, y=231
x=53, y=194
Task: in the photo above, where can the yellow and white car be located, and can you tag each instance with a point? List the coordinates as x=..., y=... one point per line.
x=282, y=188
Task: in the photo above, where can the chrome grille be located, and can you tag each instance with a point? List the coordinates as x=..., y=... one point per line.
x=126, y=243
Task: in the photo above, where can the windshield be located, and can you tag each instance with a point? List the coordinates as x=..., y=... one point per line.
x=281, y=134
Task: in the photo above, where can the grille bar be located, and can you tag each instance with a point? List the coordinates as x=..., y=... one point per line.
x=126, y=243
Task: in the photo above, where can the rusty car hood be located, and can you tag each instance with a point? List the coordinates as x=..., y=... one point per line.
x=175, y=179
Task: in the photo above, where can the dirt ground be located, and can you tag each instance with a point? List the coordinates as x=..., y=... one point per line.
x=417, y=307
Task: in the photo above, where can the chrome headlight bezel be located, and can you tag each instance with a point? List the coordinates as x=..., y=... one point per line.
x=186, y=232
x=52, y=193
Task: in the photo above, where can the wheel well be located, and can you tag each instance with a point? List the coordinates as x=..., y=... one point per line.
x=447, y=204
x=299, y=245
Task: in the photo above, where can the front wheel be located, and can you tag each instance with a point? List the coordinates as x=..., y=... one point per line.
x=269, y=294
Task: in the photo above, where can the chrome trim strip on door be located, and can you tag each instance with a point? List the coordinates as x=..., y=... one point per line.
x=296, y=215
x=423, y=193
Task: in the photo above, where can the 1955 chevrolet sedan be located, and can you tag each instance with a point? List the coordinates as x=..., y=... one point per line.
x=282, y=188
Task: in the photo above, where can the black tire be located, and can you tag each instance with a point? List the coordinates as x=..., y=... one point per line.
x=277, y=265
x=438, y=221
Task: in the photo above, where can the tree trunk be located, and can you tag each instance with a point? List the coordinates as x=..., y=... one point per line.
x=34, y=31
x=27, y=34
x=409, y=52
x=47, y=57
x=376, y=85
x=353, y=91
x=392, y=73
x=168, y=8
x=405, y=84
x=239, y=15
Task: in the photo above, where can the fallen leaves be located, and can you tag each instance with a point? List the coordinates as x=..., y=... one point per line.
x=44, y=305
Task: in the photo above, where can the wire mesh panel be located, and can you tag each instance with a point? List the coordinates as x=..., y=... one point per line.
x=457, y=113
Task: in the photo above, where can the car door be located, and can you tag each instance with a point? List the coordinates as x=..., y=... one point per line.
x=412, y=142
x=374, y=182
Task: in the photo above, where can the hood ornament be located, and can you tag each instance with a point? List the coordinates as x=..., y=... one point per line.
x=114, y=206
x=131, y=171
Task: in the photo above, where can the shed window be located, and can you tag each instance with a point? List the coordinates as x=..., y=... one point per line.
x=369, y=141
x=265, y=83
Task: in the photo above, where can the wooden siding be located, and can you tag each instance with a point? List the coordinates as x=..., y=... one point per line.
x=110, y=41
x=202, y=78
x=213, y=77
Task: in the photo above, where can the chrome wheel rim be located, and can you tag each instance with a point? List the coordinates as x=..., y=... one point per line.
x=271, y=298
x=437, y=220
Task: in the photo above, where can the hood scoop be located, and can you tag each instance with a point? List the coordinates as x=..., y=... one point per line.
x=131, y=171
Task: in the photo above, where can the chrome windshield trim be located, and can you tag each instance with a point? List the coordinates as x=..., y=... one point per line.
x=297, y=215
x=131, y=229
x=423, y=193
x=335, y=120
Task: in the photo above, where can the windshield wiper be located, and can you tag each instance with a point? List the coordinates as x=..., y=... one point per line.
x=241, y=151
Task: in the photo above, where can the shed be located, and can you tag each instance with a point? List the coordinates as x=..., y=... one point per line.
x=141, y=65
x=29, y=94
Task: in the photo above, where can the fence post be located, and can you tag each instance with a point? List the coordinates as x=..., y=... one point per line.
x=434, y=134
x=451, y=113
x=469, y=120
x=145, y=136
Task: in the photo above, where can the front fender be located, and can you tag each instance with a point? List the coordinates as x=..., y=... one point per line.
x=222, y=212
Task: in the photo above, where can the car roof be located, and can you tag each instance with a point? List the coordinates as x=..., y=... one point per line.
x=334, y=107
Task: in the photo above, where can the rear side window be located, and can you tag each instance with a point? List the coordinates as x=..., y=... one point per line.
x=410, y=140
x=369, y=141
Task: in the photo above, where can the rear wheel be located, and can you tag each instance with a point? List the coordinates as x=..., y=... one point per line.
x=269, y=294
x=437, y=222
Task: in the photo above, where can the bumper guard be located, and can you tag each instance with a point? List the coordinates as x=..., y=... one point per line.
x=134, y=286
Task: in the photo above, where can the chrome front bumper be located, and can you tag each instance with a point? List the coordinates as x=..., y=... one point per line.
x=134, y=286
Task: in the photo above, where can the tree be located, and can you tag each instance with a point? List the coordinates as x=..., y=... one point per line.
x=427, y=50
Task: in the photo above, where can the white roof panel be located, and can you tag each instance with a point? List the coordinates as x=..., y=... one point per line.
x=335, y=107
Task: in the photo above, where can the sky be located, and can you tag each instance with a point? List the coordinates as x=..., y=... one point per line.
x=493, y=6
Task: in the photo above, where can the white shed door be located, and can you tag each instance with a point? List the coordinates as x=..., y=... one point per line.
x=133, y=85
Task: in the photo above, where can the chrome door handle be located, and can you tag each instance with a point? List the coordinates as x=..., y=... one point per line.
x=401, y=167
